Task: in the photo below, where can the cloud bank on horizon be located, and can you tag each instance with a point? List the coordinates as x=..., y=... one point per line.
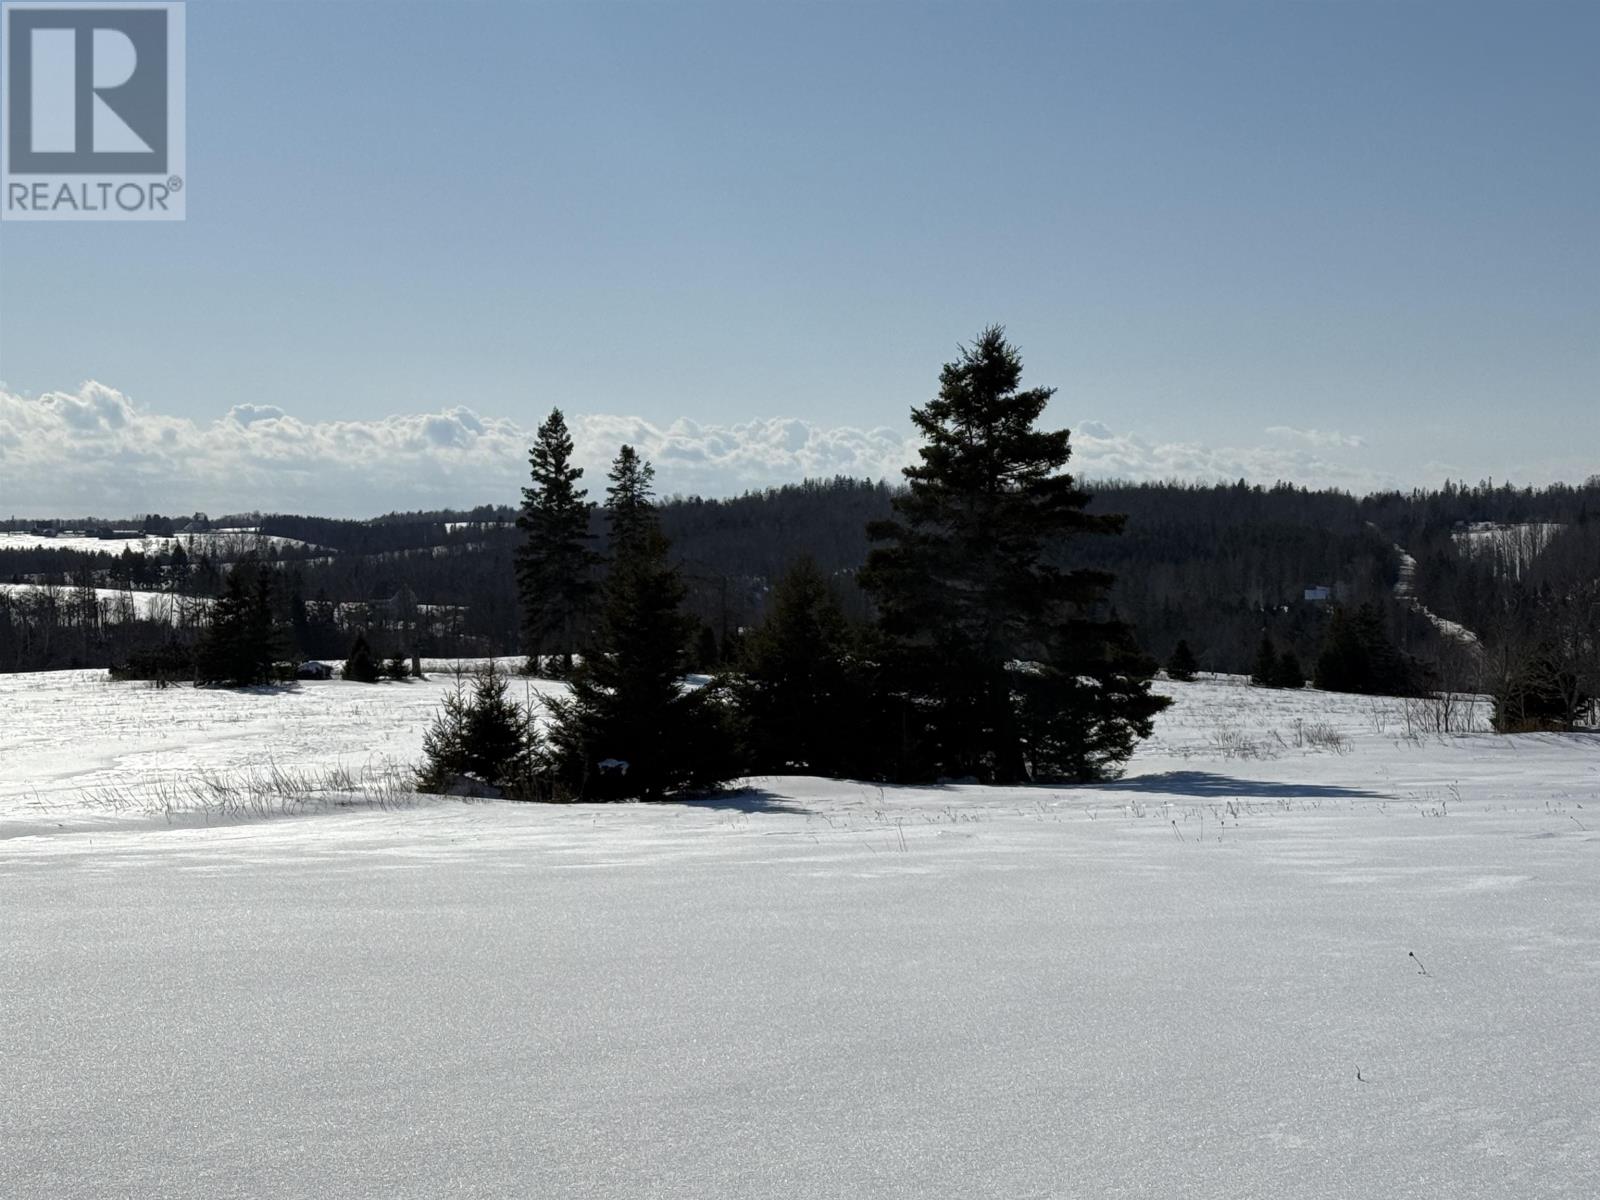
x=95, y=451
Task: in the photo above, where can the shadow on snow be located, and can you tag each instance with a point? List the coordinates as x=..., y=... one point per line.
x=1211, y=786
x=745, y=800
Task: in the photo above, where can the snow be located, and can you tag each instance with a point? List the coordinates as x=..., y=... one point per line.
x=1513, y=547
x=81, y=751
x=1405, y=591
x=223, y=542
x=162, y=606
x=1163, y=986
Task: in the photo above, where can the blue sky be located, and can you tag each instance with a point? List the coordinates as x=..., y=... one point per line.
x=1355, y=242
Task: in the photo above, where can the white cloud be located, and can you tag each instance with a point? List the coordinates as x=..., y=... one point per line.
x=96, y=451
x=1100, y=453
x=1315, y=437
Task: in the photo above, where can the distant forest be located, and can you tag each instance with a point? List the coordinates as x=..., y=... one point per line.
x=1216, y=566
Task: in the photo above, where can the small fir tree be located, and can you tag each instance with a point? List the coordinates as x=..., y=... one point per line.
x=480, y=731
x=359, y=664
x=1288, y=673
x=1182, y=665
x=1265, y=671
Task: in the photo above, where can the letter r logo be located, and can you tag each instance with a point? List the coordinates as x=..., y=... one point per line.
x=86, y=89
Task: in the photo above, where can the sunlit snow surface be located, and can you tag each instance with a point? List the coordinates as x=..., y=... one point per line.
x=1163, y=987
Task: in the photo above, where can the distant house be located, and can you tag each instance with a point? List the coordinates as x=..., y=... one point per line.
x=1318, y=595
x=311, y=669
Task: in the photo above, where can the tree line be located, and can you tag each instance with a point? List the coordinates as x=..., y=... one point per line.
x=989, y=658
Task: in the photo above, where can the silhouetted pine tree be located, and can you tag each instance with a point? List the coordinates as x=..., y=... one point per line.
x=706, y=658
x=1182, y=665
x=630, y=509
x=555, y=563
x=627, y=703
x=974, y=608
x=1288, y=673
x=359, y=664
x=240, y=642
x=799, y=696
x=1265, y=671
x=1358, y=656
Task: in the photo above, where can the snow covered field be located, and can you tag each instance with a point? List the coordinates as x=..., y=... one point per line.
x=1164, y=986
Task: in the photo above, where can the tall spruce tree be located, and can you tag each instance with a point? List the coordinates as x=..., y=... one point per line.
x=555, y=563
x=628, y=728
x=1006, y=665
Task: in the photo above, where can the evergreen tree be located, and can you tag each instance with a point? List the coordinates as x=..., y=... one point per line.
x=706, y=658
x=974, y=607
x=630, y=509
x=359, y=664
x=219, y=653
x=484, y=733
x=299, y=622
x=799, y=697
x=1288, y=673
x=1265, y=671
x=1182, y=665
x=628, y=728
x=240, y=642
x=264, y=644
x=1358, y=656
x=555, y=562
x=396, y=667
x=1083, y=722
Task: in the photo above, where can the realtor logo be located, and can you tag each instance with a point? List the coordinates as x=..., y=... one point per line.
x=91, y=111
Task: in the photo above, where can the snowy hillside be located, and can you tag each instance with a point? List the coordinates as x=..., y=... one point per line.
x=219, y=543
x=117, y=604
x=1512, y=548
x=1295, y=953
